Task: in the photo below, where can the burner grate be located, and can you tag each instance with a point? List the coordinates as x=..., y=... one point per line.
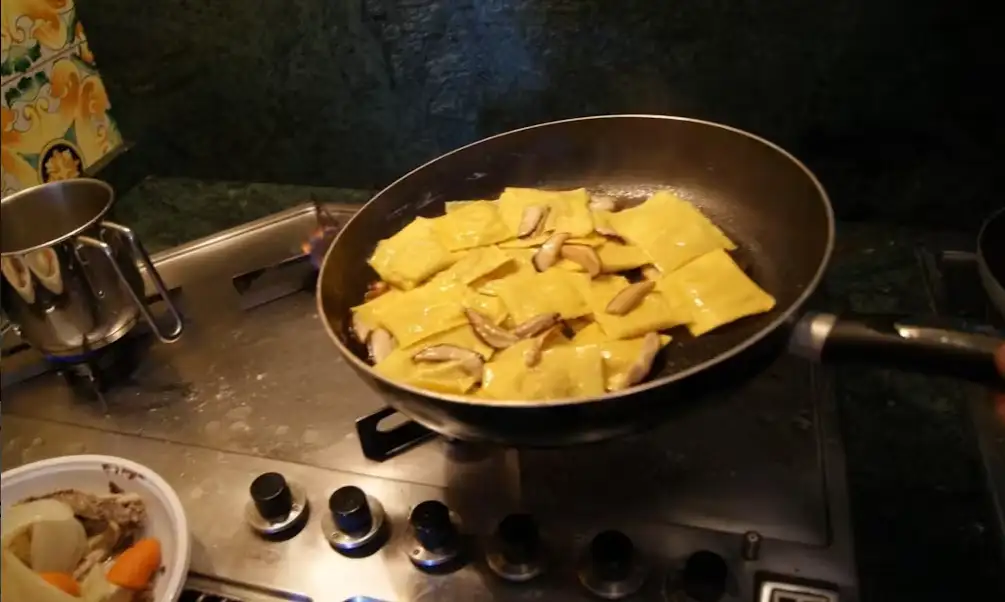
x=195, y=595
x=382, y=443
x=199, y=588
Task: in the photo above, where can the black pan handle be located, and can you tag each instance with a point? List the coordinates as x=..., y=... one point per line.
x=916, y=344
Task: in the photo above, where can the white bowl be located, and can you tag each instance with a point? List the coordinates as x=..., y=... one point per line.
x=165, y=516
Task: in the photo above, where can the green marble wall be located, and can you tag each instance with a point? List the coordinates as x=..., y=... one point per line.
x=890, y=101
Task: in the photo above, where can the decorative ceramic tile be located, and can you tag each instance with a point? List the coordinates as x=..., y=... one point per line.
x=34, y=31
x=54, y=109
x=55, y=122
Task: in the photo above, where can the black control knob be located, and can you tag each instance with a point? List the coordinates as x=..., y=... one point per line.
x=350, y=510
x=272, y=496
x=516, y=552
x=612, y=555
x=431, y=523
x=704, y=576
x=519, y=539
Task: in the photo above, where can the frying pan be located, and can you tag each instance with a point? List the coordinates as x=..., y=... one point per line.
x=768, y=202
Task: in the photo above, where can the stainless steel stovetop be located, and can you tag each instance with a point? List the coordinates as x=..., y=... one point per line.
x=752, y=482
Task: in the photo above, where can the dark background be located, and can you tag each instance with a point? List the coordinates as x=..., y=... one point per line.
x=893, y=103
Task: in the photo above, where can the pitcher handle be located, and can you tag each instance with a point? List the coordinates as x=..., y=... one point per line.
x=139, y=296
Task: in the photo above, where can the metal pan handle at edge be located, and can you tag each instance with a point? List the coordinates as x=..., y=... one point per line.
x=138, y=296
x=913, y=344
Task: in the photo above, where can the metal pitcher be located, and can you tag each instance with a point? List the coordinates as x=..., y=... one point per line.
x=70, y=283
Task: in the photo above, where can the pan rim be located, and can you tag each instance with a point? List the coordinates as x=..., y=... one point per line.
x=993, y=285
x=982, y=233
x=647, y=386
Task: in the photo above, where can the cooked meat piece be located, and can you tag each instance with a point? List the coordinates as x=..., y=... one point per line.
x=90, y=559
x=126, y=509
x=107, y=538
x=93, y=526
x=106, y=544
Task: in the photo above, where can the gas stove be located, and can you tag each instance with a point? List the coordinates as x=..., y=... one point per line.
x=300, y=485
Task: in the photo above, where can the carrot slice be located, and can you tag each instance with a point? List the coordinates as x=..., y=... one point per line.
x=63, y=581
x=135, y=568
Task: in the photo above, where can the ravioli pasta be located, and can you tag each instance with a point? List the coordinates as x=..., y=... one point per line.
x=545, y=294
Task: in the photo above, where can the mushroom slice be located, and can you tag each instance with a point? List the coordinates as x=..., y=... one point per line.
x=643, y=364
x=375, y=289
x=629, y=297
x=600, y=202
x=548, y=254
x=543, y=224
x=532, y=355
x=380, y=344
x=605, y=230
x=532, y=217
x=651, y=272
x=470, y=361
x=536, y=325
x=585, y=257
x=487, y=332
x=445, y=353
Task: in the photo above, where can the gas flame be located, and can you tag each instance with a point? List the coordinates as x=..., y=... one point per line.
x=321, y=237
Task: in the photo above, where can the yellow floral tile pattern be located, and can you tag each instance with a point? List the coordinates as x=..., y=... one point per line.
x=55, y=112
